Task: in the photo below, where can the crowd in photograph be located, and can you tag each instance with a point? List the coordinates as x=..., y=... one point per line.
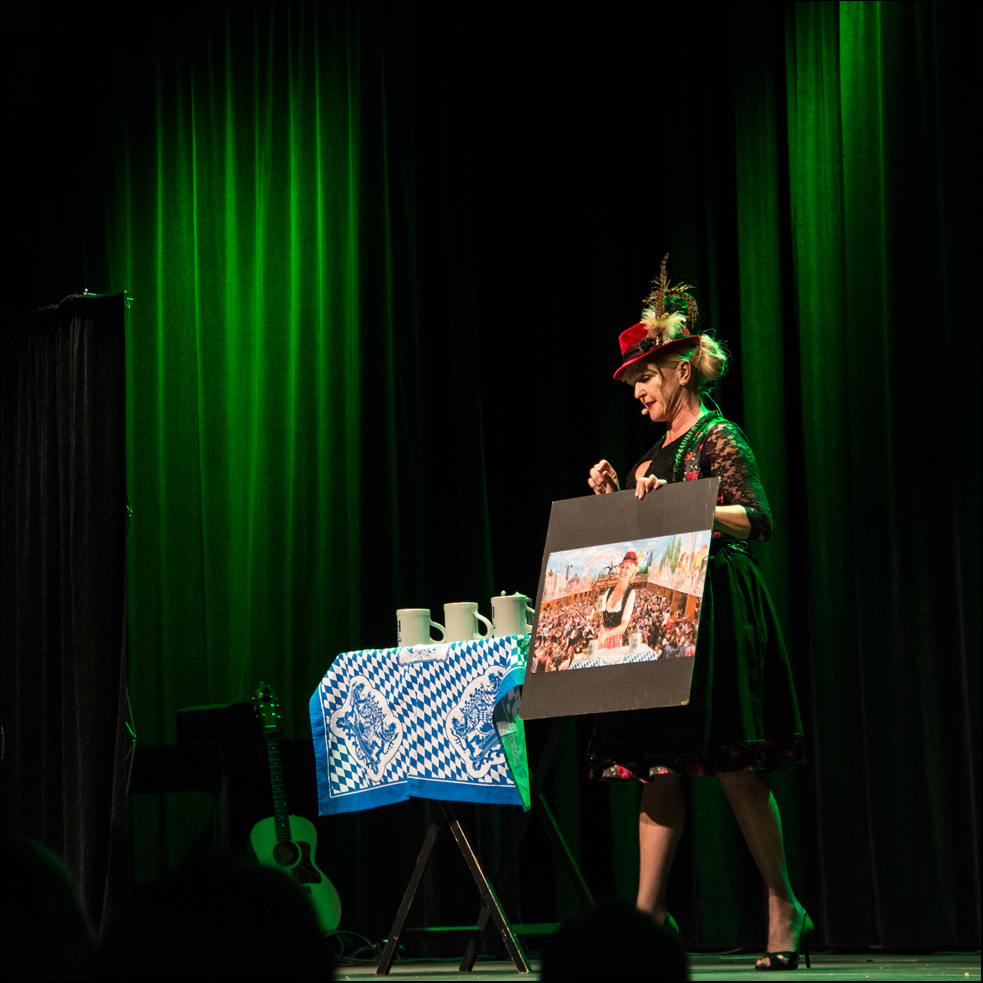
x=565, y=631
x=663, y=630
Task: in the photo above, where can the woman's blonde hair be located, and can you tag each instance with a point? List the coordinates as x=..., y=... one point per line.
x=706, y=356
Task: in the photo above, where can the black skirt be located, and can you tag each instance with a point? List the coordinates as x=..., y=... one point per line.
x=742, y=712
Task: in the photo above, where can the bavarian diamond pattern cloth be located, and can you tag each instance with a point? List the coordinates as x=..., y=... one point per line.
x=420, y=721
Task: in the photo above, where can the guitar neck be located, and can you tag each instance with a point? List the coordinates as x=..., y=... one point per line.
x=282, y=817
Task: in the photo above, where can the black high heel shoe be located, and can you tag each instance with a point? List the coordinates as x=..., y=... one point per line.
x=784, y=962
x=670, y=927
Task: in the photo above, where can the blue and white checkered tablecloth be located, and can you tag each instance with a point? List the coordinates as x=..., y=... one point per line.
x=393, y=723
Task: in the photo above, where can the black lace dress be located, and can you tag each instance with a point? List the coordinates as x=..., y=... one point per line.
x=742, y=712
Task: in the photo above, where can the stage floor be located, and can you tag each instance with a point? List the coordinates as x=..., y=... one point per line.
x=824, y=967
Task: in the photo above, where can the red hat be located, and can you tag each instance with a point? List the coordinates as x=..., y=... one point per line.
x=630, y=557
x=668, y=315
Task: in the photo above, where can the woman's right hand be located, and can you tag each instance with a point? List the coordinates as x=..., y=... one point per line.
x=603, y=478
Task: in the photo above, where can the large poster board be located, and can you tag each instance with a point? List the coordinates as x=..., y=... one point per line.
x=619, y=601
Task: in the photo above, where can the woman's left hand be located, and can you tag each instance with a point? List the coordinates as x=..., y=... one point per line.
x=645, y=485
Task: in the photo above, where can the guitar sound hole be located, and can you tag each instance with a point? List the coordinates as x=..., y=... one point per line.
x=286, y=853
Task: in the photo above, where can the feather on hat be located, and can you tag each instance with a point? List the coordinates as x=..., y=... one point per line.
x=668, y=319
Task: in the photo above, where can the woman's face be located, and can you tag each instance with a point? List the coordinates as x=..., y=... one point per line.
x=625, y=572
x=657, y=388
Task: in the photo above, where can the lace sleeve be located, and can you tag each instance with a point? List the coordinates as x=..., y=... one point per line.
x=730, y=459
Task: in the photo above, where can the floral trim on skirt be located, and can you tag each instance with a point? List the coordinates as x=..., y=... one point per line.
x=763, y=755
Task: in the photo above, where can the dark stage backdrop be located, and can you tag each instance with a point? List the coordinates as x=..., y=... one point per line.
x=64, y=634
x=381, y=254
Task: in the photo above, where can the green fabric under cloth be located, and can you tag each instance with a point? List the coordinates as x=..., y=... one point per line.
x=512, y=730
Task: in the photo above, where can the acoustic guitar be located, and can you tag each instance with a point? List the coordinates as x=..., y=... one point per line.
x=287, y=841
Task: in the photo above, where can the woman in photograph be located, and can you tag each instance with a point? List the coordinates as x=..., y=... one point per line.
x=742, y=720
x=617, y=604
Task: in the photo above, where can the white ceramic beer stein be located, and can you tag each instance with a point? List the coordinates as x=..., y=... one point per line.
x=509, y=615
x=461, y=618
x=413, y=627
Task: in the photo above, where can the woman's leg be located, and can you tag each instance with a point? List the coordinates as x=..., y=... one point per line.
x=660, y=824
x=757, y=814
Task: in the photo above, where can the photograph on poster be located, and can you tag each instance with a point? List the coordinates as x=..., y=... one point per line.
x=619, y=603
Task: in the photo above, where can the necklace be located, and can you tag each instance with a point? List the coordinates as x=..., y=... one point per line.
x=703, y=423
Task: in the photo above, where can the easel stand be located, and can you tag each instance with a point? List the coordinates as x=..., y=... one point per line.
x=488, y=896
x=491, y=906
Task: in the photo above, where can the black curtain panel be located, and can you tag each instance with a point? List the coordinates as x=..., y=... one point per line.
x=64, y=589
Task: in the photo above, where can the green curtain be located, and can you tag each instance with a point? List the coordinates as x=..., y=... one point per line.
x=265, y=223
x=241, y=231
x=284, y=429
x=876, y=197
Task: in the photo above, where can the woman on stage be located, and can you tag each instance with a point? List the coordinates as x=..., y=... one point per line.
x=742, y=719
